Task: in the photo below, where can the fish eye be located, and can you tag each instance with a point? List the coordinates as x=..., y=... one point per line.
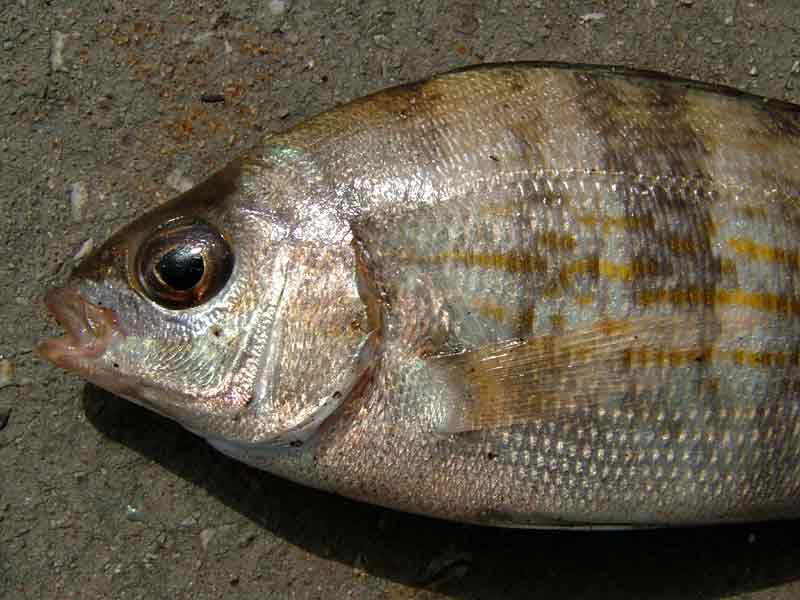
x=181, y=268
x=183, y=264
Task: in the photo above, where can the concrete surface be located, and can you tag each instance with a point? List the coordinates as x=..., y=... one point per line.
x=101, y=118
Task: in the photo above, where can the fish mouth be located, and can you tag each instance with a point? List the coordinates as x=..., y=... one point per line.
x=89, y=329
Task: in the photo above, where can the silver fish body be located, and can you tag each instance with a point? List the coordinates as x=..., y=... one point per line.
x=526, y=295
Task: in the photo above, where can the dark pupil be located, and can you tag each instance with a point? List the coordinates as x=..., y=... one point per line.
x=181, y=268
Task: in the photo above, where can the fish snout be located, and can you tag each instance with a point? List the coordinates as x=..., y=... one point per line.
x=89, y=328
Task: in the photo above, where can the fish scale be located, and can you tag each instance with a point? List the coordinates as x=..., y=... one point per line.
x=527, y=295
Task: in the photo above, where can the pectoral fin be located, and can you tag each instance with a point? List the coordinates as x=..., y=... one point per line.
x=547, y=377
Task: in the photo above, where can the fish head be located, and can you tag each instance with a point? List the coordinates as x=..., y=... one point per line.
x=175, y=310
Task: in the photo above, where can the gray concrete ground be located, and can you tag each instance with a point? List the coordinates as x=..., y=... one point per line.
x=101, y=119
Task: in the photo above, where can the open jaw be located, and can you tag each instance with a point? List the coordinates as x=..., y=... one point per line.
x=89, y=330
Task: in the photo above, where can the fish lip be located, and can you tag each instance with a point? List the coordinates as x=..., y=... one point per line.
x=89, y=329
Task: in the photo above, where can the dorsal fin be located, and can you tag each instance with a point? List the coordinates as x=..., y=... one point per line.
x=545, y=377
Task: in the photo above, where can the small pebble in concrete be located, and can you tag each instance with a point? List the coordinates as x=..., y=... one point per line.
x=206, y=536
x=57, y=51
x=179, y=182
x=212, y=98
x=6, y=373
x=592, y=17
x=133, y=514
x=277, y=7
x=78, y=197
x=84, y=250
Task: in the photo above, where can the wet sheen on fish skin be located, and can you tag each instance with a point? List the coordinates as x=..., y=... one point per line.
x=520, y=295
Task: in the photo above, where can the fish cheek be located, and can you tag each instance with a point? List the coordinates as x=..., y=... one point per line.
x=171, y=373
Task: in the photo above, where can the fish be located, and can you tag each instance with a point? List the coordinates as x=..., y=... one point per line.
x=529, y=295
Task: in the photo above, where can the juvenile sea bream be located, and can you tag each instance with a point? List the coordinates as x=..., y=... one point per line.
x=519, y=295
